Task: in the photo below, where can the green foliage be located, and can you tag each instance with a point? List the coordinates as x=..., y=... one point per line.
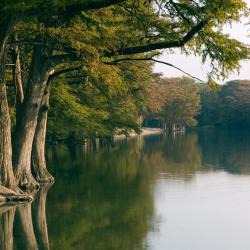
x=110, y=90
x=212, y=84
x=227, y=107
x=89, y=107
x=106, y=34
x=68, y=115
x=174, y=101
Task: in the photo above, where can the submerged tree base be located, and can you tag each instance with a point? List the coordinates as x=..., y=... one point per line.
x=9, y=196
x=28, y=182
x=44, y=177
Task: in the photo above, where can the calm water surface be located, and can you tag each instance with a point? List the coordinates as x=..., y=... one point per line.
x=190, y=192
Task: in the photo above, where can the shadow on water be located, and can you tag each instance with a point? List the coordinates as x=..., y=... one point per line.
x=103, y=198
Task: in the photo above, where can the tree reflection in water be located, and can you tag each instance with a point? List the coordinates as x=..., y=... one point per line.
x=104, y=199
x=178, y=156
x=103, y=202
x=227, y=150
x=39, y=217
x=7, y=214
x=30, y=226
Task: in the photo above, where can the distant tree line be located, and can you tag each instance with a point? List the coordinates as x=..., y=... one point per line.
x=175, y=103
x=228, y=107
x=172, y=103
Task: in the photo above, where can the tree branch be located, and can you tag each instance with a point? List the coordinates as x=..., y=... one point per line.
x=92, y=5
x=173, y=66
x=160, y=45
x=156, y=61
x=63, y=71
x=69, y=10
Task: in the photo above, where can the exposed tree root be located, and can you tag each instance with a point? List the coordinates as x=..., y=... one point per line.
x=9, y=196
x=43, y=176
x=28, y=182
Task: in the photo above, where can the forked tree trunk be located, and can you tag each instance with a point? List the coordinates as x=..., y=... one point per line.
x=24, y=221
x=26, y=126
x=6, y=227
x=38, y=151
x=39, y=217
x=6, y=172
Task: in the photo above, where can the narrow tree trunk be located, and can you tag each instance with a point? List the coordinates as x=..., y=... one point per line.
x=17, y=77
x=39, y=218
x=6, y=227
x=38, y=151
x=26, y=127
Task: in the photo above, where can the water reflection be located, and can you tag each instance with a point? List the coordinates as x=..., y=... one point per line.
x=145, y=193
x=25, y=234
x=227, y=150
x=30, y=227
x=179, y=157
x=6, y=227
x=104, y=202
x=39, y=217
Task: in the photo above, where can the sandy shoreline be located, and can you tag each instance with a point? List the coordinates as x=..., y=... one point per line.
x=144, y=131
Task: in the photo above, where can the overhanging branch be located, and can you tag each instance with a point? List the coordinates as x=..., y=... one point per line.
x=156, y=61
x=160, y=45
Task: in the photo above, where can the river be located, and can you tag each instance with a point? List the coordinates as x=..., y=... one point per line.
x=183, y=192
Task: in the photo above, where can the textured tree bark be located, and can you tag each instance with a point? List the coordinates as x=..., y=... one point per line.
x=6, y=171
x=24, y=220
x=6, y=227
x=39, y=217
x=17, y=77
x=26, y=126
x=9, y=196
x=38, y=151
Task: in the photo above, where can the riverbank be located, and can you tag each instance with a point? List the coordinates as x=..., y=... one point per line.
x=144, y=131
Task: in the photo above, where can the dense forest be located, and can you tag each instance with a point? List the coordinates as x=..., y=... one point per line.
x=87, y=65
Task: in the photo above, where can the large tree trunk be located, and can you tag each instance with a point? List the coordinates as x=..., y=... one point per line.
x=38, y=151
x=6, y=171
x=6, y=227
x=26, y=126
x=7, y=179
x=39, y=217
